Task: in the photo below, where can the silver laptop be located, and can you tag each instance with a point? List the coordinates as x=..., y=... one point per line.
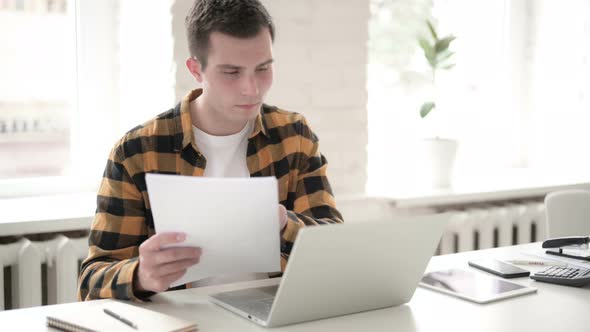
x=341, y=269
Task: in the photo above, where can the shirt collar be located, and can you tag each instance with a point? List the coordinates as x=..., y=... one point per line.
x=259, y=125
x=186, y=125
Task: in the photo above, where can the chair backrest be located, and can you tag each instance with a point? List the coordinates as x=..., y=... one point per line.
x=568, y=213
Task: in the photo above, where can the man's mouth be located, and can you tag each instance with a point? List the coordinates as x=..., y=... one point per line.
x=248, y=106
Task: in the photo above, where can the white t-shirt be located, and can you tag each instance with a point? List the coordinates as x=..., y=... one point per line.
x=226, y=157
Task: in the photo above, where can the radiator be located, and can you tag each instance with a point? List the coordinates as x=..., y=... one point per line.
x=493, y=225
x=43, y=272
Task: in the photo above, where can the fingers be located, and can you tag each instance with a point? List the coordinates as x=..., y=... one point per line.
x=174, y=254
x=158, y=267
x=282, y=210
x=160, y=240
x=175, y=267
x=169, y=279
x=163, y=283
x=157, y=277
x=282, y=217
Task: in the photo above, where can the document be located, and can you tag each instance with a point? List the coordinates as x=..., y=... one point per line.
x=234, y=220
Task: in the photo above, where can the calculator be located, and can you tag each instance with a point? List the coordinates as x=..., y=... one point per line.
x=569, y=276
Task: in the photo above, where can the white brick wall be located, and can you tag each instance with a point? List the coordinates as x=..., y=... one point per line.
x=320, y=71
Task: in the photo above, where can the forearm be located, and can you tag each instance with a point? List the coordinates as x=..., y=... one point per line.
x=100, y=279
x=313, y=202
x=299, y=220
x=116, y=233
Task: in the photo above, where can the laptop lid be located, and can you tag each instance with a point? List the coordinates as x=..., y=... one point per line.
x=347, y=268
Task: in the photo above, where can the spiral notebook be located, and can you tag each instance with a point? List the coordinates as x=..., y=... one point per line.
x=93, y=318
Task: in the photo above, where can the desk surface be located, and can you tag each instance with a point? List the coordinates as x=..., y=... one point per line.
x=552, y=308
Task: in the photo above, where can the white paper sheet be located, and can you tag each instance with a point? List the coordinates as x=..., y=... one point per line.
x=234, y=221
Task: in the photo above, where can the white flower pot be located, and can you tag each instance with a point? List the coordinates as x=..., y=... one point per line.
x=439, y=158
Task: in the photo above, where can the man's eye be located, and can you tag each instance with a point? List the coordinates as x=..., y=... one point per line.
x=262, y=69
x=235, y=72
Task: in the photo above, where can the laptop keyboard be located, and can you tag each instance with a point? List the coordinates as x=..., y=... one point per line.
x=255, y=302
x=260, y=309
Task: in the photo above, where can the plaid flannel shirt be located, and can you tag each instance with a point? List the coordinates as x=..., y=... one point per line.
x=281, y=145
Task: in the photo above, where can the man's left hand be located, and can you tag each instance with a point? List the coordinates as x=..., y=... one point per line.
x=282, y=217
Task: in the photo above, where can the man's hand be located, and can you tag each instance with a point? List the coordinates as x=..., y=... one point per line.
x=282, y=217
x=159, y=267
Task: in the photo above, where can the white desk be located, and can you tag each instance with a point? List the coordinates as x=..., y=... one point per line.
x=553, y=308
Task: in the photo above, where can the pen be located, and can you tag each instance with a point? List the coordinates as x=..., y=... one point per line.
x=119, y=318
x=548, y=263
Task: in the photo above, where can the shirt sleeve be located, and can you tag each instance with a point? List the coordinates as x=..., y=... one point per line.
x=314, y=202
x=117, y=230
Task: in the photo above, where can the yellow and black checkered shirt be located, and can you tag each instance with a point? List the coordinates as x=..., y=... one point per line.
x=281, y=145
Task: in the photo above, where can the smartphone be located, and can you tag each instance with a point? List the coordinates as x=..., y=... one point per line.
x=499, y=268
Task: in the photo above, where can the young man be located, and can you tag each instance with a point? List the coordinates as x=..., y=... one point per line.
x=221, y=130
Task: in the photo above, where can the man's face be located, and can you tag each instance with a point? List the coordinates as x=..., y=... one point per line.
x=237, y=77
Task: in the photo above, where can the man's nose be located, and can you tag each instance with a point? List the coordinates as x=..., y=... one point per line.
x=250, y=86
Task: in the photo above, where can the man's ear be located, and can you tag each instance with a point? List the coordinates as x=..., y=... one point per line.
x=195, y=68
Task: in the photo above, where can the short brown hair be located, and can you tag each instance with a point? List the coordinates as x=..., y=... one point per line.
x=237, y=18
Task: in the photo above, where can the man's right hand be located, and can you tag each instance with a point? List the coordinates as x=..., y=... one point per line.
x=159, y=267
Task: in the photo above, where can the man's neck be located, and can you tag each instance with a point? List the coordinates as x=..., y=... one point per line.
x=209, y=121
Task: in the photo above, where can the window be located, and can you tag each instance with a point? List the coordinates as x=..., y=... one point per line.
x=79, y=74
x=37, y=88
x=517, y=98
x=560, y=86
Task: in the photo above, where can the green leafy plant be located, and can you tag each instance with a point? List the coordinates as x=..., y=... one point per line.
x=437, y=53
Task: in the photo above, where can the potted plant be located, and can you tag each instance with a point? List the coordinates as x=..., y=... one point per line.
x=439, y=152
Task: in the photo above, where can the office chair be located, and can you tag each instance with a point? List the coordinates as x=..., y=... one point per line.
x=568, y=213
